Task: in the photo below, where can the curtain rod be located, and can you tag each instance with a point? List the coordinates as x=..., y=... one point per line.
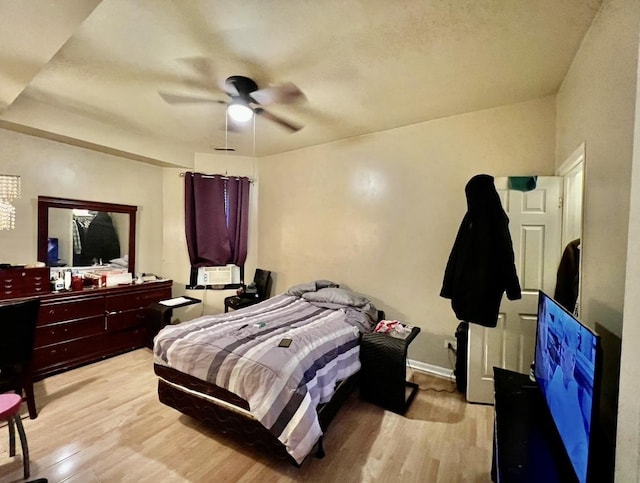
x=223, y=176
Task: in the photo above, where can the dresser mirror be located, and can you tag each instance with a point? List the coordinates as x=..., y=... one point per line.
x=77, y=233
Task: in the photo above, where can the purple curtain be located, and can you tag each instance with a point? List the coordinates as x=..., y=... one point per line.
x=238, y=212
x=216, y=219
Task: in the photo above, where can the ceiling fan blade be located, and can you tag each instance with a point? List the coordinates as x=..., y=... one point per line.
x=278, y=120
x=286, y=93
x=200, y=65
x=180, y=99
x=231, y=89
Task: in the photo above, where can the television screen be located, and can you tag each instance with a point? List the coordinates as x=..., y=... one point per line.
x=566, y=365
x=52, y=251
x=566, y=370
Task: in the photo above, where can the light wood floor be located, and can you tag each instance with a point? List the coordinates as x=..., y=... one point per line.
x=103, y=423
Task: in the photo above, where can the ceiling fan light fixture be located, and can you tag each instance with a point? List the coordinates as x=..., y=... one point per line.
x=239, y=111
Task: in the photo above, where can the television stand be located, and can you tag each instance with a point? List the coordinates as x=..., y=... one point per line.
x=526, y=446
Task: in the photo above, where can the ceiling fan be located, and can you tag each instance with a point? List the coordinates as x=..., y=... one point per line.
x=246, y=100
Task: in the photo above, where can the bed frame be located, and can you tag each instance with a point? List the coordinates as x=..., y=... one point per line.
x=229, y=413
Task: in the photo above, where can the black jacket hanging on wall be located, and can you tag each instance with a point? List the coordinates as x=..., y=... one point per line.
x=481, y=265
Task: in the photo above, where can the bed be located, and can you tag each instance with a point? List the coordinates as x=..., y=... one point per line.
x=237, y=372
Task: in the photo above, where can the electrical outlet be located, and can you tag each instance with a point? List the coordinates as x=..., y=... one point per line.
x=450, y=344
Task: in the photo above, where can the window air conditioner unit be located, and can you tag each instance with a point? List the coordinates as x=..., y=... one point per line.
x=218, y=275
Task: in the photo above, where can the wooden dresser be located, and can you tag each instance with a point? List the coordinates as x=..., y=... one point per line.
x=23, y=282
x=78, y=327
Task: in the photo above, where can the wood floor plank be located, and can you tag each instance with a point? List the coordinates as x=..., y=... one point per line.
x=104, y=423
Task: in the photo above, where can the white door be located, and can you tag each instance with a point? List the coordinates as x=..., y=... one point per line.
x=535, y=224
x=572, y=171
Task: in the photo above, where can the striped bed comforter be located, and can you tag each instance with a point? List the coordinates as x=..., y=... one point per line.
x=283, y=386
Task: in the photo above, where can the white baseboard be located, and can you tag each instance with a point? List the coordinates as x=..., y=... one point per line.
x=431, y=369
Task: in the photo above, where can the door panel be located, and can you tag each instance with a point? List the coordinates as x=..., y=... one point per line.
x=535, y=224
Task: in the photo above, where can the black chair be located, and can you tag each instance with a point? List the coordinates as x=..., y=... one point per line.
x=17, y=333
x=262, y=282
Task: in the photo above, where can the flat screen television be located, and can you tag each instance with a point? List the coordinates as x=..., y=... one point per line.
x=568, y=372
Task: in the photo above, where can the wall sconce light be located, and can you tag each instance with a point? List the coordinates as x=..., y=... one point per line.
x=9, y=191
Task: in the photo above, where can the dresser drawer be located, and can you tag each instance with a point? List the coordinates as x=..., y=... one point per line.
x=69, y=310
x=35, y=282
x=136, y=300
x=21, y=282
x=10, y=283
x=65, y=331
x=10, y=292
x=126, y=340
x=40, y=289
x=126, y=320
x=68, y=353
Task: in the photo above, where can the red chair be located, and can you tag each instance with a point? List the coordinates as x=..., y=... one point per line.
x=10, y=412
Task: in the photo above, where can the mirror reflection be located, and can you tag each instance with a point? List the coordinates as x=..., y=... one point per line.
x=78, y=233
x=80, y=238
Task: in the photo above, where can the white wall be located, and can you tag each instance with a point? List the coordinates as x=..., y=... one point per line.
x=49, y=168
x=628, y=459
x=596, y=105
x=379, y=213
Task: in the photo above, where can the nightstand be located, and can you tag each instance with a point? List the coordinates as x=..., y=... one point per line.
x=384, y=371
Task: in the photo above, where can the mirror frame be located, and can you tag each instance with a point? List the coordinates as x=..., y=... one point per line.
x=46, y=202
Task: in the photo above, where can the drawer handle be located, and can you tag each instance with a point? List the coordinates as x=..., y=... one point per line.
x=107, y=313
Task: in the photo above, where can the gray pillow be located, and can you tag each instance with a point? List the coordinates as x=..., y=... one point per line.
x=298, y=290
x=325, y=283
x=335, y=295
